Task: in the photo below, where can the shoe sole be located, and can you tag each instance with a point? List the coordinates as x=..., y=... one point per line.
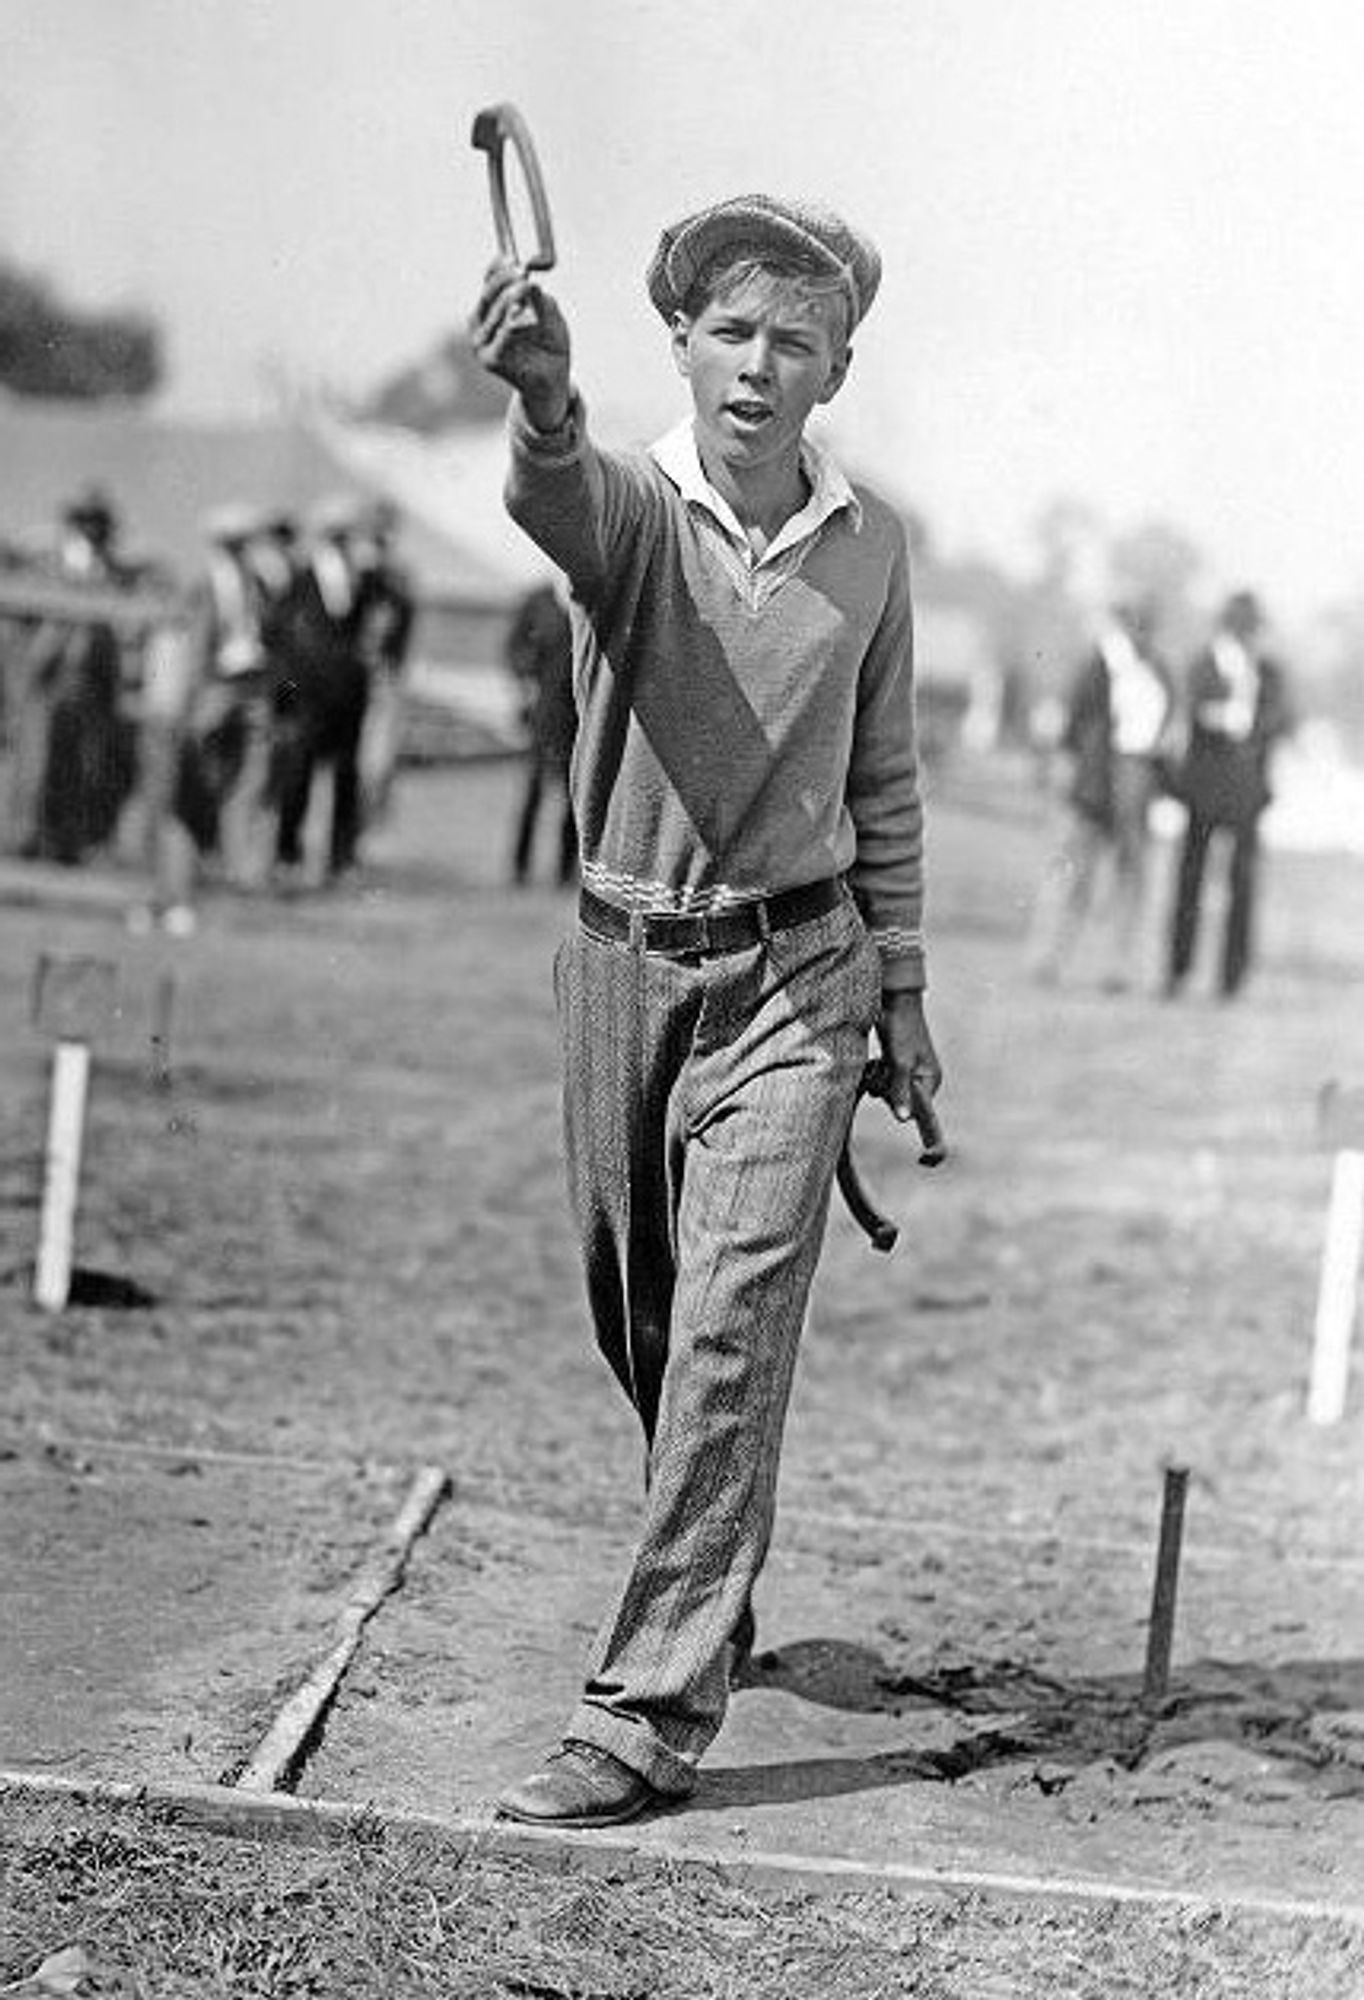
x=583, y=1822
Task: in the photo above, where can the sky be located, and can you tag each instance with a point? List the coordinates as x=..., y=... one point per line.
x=1122, y=254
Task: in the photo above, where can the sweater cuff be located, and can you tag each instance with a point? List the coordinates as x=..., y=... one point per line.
x=903, y=966
x=556, y=447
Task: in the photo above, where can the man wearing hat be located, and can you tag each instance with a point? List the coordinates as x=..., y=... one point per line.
x=90, y=534
x=322, y=690
x=73, y=754
x=1238, y=711
x=746, y=791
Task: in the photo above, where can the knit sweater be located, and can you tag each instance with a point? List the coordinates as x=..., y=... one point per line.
x=733, y=741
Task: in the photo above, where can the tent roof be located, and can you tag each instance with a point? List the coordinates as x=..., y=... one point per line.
x=451, y=486
x=165, y=475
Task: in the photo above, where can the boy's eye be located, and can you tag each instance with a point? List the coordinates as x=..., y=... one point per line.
x=736, y=332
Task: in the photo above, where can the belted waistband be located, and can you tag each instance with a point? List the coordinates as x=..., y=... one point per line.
x=712, y=933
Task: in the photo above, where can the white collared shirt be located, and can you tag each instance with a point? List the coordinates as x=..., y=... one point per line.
x=1137, y=697
x=335, y=583
x=756, y=576
x=1234, y=715
x=238, y=649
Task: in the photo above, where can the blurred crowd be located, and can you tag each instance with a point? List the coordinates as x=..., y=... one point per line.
x=215, y=707
x=219, y=706
x=1131, y=733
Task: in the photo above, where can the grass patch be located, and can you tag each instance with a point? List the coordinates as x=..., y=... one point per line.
x=157, y=1910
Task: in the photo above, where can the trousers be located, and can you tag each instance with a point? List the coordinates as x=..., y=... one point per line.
x=705, y=1103
x=1068, y=888
x=324, y=728
x=545, y=778
x=1243, y=844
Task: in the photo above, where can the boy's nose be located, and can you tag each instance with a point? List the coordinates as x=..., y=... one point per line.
x=757, y=359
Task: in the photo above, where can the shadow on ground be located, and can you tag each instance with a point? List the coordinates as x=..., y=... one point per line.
x=1308, y=1715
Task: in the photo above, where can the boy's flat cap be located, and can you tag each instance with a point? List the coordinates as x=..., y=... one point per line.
x=761, y=222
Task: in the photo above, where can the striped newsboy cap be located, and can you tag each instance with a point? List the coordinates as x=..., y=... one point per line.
x=757, y=223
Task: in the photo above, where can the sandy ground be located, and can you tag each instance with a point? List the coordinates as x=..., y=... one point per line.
x=344, y=1220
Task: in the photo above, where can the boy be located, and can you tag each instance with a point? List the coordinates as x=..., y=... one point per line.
x=745, y=785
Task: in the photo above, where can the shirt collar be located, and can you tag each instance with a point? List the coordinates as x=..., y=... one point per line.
x=678, y=458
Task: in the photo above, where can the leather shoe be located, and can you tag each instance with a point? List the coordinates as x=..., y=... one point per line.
x=579, y=1785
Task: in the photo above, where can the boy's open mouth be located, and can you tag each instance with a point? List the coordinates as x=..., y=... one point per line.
x=745, y=412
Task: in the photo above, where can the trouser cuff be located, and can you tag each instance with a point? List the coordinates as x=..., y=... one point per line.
x=636, y=1745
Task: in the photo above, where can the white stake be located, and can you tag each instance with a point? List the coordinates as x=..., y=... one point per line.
x=1339, y=1291
x=65, y=1132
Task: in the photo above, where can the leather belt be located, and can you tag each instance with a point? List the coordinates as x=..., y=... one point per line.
x=709, y=935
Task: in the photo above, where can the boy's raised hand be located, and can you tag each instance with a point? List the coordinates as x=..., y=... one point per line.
x=520, y=335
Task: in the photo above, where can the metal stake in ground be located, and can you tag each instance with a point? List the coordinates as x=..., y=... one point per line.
x=1160, y=1634
x=72, y=1000
x=163, y=1010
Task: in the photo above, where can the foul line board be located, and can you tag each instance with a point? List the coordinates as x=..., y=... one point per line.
x=218, y=1809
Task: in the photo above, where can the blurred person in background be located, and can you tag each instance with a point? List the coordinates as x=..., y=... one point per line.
x=73, y=748
x=1114, y=736
x=273, y=555
x=322, y=692
x=236, y=686
x=206, y=747
x=1239, y=709
x=539, y=656
x=385, y=612
x=181, y=812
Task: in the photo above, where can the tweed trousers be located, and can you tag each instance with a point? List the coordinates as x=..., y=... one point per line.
x=705, y=1103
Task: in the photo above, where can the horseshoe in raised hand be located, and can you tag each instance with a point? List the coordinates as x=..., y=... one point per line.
x=494, y=129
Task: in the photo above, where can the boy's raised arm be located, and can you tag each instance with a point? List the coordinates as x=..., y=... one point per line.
x=520, y=334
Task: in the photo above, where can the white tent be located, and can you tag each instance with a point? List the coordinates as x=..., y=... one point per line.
x=451, y=485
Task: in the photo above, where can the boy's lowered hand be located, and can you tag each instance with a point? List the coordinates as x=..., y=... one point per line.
x=520, y=335
x=910, y=1069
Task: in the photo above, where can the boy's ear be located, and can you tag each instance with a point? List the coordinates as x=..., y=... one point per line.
x=679, y=334
x=838, y=374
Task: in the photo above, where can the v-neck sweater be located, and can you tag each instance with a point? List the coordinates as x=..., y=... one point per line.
x=733, y=741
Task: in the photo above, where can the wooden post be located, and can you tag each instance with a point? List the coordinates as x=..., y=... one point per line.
x=1160, y=1633
x=1341, y=1122
x=73, y=1000
x=1338, y=1294
x=65, y=1136
x=278, y=1753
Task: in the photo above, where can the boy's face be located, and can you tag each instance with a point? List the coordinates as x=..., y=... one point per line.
x=759, y=359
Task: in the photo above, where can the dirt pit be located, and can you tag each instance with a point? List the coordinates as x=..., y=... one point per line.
x=340, y=1195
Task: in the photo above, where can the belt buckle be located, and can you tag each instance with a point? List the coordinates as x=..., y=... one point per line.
x=688, y=934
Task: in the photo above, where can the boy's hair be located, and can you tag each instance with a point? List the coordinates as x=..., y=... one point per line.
x=798, y=280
